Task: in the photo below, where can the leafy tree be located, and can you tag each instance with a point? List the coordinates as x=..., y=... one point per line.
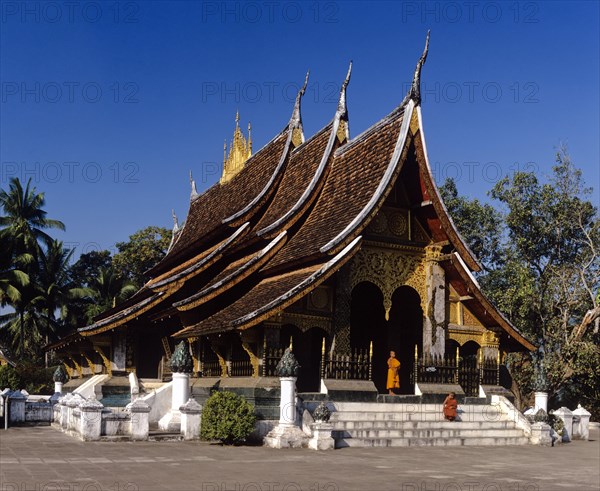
x=144, y=249
x=107, y=290
x=480, y=224
x=546, y=278
x=87, y=268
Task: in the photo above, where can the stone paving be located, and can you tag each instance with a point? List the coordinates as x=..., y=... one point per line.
x=44, y=459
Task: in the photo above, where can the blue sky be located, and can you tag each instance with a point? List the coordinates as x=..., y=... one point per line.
x=107, y=105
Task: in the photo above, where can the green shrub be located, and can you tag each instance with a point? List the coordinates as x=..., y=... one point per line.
x=32, y=378
x=227, y=417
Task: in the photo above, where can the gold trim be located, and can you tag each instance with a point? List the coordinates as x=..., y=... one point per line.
x=105, y=360
x=77, y=366
x=253, y=358
x=304, y=322
x=91, y=364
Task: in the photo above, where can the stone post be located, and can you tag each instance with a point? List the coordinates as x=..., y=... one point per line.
x=191, y=413
x=321, y=429
x=72, y=403
x=540, y=434
x=287, y=405
x=16, y=409
x=581, y=423
x=64, y=410
x=566, y=415
x=181, y=365
x=541, y=401
x=139, y=411
x=91, y=419
x=59, y=377
x=286, y=433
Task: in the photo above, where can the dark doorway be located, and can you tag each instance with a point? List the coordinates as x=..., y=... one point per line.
x=404, y=331
x=368, y=324
x=307, y=350
x=468, y=375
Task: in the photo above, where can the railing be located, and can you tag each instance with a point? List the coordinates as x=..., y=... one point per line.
x=468, y=372
x=211, y=368
x=270, y=359
x=241, y=368
x=356, y=365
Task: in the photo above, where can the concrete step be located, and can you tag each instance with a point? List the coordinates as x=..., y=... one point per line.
x=427, y=433
x=414, y=416
x=435, y=442
x=375, y=406
x=424, y=425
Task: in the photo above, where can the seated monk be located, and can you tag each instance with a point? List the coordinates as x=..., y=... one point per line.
x=393, y=378
x=450, y=406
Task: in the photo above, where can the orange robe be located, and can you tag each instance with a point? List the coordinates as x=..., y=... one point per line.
x=450, y=406
x=393, y=379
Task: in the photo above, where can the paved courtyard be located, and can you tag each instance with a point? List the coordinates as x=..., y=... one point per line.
x=43, y=459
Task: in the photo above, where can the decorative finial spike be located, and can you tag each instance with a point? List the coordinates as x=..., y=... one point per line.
x=237, y=117
x=175, y=221
x=296, y=119
x=193, y=185
x=342, y=101
x=415, y=89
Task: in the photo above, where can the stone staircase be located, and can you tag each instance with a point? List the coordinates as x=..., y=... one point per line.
x=405, y=425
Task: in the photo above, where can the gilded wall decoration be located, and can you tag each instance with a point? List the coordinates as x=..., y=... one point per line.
x=462, y=337
x=490, y=339
x=389, y=270
x=469, y=319
x=305, y=322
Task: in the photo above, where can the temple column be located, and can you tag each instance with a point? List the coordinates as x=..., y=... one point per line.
x=342, y=311
x=434, y=319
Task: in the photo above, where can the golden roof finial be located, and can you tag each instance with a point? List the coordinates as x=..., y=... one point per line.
x=240, y=150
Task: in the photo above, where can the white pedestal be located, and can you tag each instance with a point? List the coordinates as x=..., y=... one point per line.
x=179, y=396
x=321, y=437
x=541, y=401
x=58, y=387
x=287, y=405
x=286, y=436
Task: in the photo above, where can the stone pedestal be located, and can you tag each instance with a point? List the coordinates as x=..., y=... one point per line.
x=541, y=401
x=287, y=406
x=139, y=412
x=64, y=410
x=540, y=434
x=16, y=409
x=191, y=413
x=91, y=419
x=58, y=387
x=179, y=396
x=581, y=423
x=566, y=416
x=286, y=434
x=321, y=436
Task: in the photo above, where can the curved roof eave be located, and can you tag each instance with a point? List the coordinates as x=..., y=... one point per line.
x=449, y=227
x=498, y=316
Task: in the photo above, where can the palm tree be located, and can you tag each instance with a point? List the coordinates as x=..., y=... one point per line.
x=107, y=290
x=55, y=288
x=22, y=225
x=24, y=218
x=11, y=278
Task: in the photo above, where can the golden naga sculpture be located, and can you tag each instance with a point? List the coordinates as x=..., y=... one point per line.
x=240, y=150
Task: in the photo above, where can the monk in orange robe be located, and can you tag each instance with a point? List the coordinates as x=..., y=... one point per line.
x=393, y=379
x=450, y=405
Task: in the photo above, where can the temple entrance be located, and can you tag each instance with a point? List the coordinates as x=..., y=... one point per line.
x=468, y=375
x=307, y=350
x=405, y=330
x=367, y=323
x=400, y=333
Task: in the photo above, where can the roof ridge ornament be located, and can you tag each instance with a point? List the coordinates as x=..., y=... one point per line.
x=343, y=132
x=342, y=108
x=240, y=150
x=175, y=221
x=415, y=89
x=194, y=193
x=295, y=123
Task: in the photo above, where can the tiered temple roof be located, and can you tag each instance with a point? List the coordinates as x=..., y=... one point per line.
x=291, y=216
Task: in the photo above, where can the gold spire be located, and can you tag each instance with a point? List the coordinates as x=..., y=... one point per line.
x=240, y=150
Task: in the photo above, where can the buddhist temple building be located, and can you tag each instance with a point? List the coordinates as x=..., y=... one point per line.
x=340, y=246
